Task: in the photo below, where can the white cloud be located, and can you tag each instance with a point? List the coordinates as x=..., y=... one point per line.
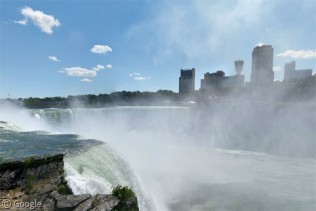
x=22, y=22
x=86, y=80
x=98, y=67
x=276, y=68
x=40, y=19
x=138, y=77
x=134, y=74
x=53, y=58
x=141, y=78
x=101, y=49
x=301, y=54
x=80, y=72
x=101, y=67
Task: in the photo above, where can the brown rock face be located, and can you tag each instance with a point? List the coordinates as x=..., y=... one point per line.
x=37, y=183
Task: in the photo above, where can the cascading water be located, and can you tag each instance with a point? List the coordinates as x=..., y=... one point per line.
x=98, y=170
x=167, y=155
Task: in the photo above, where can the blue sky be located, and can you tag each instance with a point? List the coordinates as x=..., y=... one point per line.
x=60, y=48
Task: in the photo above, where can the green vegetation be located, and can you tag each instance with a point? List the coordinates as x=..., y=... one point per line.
x=123, y=192
x=64, y=189
x=116, y=98
x=128, y=200
x=27, y=162
x=30, y=181
x=36, y=161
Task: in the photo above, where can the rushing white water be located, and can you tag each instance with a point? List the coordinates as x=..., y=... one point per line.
x=98, y=170
x=168, y=156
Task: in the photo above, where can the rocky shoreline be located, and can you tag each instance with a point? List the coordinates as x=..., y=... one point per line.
x=38, y=183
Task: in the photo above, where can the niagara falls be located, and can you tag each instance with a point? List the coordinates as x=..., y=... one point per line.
x=158, y=105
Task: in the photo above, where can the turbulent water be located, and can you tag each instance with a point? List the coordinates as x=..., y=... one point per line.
x=175, y=158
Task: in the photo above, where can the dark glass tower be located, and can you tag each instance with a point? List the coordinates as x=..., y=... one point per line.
x=187, y=81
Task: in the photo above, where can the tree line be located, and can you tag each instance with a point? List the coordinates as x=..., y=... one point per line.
x=122, y=98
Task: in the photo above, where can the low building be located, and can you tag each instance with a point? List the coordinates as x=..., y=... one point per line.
x=231, y=82
x=290, y=73
x=300, y=74
x=218, y=80
x=212, y=81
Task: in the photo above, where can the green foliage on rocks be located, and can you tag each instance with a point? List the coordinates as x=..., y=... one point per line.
x=127, y=197
x=27, y=162
x=123, y=192
x=64, y=189
x=30, y=181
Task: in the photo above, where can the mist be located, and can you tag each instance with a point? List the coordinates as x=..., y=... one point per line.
x=175, y=152
x=219, y=150
x=287, y=129
x=22, y=117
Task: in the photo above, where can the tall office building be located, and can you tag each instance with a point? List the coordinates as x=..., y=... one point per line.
x=289, y=69
x=187, y=81
x=262, y=66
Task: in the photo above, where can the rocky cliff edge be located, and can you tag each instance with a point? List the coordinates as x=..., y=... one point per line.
x=38, y=183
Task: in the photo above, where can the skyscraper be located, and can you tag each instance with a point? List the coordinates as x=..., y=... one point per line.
x=187, y=81
x=262, y=66
x=289, y=68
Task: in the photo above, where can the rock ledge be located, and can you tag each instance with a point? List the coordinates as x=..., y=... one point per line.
x=38, y=183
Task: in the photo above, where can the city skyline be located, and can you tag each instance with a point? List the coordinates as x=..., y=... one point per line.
x=107, y=46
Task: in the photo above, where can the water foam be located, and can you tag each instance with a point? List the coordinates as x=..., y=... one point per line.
x=99, y=169
x=9, y=126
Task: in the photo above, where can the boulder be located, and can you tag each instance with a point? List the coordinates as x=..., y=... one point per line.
x=71, y=201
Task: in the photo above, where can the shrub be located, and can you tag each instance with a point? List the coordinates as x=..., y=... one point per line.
x=27, y=162
x=123, y=192
x=128, y=200
x=30, y=180
x=63, y=189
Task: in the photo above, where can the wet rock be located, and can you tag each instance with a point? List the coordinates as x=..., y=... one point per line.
x=71, y=201
x=86, y=205
x=48, y=204
x=104, y=202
